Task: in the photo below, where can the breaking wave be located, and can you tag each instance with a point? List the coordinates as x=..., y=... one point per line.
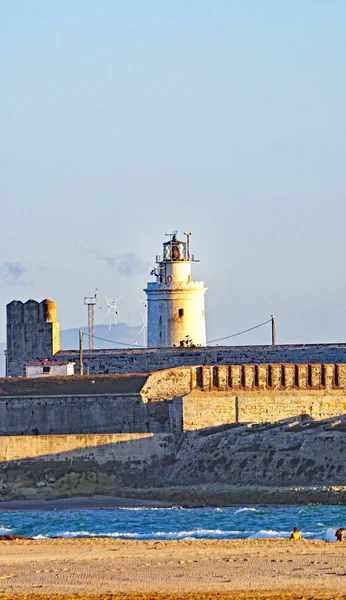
x=145, y=508
x=115, y=534
x=5, y=530
x=246, y=509
x=176, y=523
x=270, y=533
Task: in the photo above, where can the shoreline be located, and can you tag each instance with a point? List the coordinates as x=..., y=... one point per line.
x=81, y=503
x=197, y=496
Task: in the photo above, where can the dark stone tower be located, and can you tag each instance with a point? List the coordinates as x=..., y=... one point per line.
x=32, y=334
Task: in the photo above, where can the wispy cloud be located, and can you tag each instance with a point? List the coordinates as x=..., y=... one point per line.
x=11, y=272
x=129, y=264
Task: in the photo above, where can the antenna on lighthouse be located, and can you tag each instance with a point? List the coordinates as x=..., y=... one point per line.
x=188, y=234
x=90, y=302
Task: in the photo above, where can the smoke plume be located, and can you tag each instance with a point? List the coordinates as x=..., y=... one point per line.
x=11, y=272
x=128, y=264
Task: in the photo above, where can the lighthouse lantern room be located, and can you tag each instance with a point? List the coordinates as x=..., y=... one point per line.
x=175, y=302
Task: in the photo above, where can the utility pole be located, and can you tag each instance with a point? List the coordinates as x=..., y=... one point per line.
x=90, y=302
x=81, y=369
x=273, y=330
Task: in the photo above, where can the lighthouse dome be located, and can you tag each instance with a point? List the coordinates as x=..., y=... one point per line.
x=174, y=249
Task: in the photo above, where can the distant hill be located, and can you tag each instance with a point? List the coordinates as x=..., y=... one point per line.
x=125, y=335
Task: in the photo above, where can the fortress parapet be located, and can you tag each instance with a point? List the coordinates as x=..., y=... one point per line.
x=172, y=400
x=32, y=333
x=226, y=394
x=280, y=377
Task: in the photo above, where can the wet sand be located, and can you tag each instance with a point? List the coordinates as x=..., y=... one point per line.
x=80, y=503
x=86, y=568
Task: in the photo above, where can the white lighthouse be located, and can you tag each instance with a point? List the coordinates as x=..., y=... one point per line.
x=175, y=302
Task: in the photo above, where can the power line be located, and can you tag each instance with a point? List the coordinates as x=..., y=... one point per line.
x=209, y=342
x=114, y=342
x=240, y=332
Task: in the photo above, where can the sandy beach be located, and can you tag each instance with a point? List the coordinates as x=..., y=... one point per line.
x=203, y=568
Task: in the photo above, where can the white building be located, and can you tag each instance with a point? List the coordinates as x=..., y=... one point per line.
x=175, y=303
x=46, y=368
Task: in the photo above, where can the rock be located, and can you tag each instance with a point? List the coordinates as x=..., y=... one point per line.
x=14, y=537
x=31, y=493
x=84, y=484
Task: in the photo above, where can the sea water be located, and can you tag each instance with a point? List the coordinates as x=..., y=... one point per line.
x=140, y=523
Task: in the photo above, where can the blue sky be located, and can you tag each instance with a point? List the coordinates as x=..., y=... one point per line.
x=126, y=120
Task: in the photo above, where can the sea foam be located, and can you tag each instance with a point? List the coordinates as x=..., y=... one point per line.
x=246, y=509
x=5, y=530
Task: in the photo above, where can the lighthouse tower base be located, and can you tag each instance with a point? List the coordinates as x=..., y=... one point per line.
x=176, y=317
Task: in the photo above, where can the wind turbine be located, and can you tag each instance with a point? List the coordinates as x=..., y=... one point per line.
x=112, y=310
x=143, y=329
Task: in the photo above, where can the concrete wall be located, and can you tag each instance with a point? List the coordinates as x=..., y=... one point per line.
x=154, y=359
x=99, y=448
x=33, y=467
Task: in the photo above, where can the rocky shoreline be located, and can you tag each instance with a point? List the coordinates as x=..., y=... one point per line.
x=287, y=462
x=186, y=496
x=226, y=495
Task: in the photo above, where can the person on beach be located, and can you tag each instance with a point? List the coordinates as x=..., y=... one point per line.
x=340, y=534
x=295, y=535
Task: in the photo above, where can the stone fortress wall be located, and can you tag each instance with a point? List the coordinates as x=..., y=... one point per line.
x=263, y=393
x=189, y=426
x=171, y=401
x=157, y=359
x=184, y=435
x=151, y=418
